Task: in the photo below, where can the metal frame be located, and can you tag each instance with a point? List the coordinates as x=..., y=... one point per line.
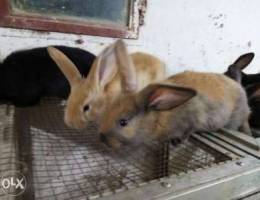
x=7, y=19
x=236, y=141
x=8, y=150
x=233, y=179
x=236, y=177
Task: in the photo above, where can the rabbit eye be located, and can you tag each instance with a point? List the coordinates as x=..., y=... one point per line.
x=123, y=122
x=86, y=108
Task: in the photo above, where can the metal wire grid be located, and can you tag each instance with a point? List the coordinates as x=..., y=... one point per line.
x=67, y=164
x=8, y=155
x=191, y=156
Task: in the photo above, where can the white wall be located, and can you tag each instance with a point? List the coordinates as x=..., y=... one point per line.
x=187, y=34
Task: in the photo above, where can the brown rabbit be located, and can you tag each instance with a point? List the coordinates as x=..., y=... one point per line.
x=175, y=108
x=113, y=71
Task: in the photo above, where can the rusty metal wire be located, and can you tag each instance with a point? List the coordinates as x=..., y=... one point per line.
x=62, y=163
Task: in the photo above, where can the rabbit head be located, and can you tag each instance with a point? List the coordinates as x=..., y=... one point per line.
x=234, y=71
x=129, y=117
x=89, y=95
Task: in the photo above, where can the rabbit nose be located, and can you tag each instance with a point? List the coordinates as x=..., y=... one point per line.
x=103, y=138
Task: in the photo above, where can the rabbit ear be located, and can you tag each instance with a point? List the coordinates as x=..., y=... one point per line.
x=165, y=97
x=234, y=73
x=126, y=67
x=104, y=68
x=235, y=70
x=114, y=59
x=66, y=65
x=243, y=61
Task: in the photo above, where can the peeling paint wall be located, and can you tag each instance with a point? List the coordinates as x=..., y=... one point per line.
x=199, y=35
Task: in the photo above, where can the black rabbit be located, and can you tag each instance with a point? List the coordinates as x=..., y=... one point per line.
x=28, y=75
x=253, y=92
x=251, y=83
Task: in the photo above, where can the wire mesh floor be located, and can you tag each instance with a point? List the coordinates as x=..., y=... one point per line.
x=61, y=163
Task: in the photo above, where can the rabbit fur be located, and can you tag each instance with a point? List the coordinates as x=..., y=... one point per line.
x=175, y=108
x=114, y=71
x=28, y=75
x=234, y=71
x=251, y=83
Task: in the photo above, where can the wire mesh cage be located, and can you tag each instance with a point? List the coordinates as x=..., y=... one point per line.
x=61, y=163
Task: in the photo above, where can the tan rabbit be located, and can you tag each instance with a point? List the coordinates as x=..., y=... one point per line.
x=113, y=71
x=175, y=108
